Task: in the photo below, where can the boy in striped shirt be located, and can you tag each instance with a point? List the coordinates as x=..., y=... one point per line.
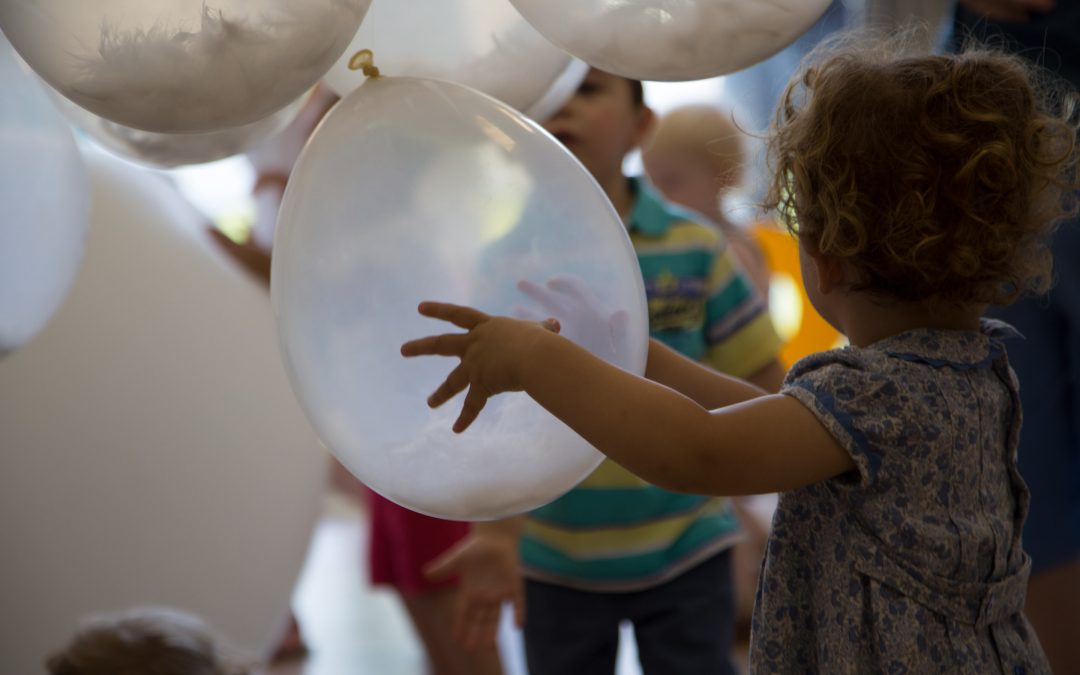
x=616, y=548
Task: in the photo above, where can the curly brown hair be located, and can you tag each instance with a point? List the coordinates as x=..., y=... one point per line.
x=934, y=178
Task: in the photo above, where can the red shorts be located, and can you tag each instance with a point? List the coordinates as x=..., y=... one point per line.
x=403, y=542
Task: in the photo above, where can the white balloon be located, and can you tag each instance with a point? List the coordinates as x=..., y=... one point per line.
x=168, y=151
x=153, y=452
x=483, y=44
x=417, y=189
x=44, y=205
x=181, y=66
x=672, y=40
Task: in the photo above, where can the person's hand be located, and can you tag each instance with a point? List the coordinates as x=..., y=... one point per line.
x=493, y=353
x=489, y=570
x=1009, y=11
x=582, y=317
x=252, y=257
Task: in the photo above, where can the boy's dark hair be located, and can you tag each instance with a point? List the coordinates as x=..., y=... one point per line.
x=158, y=641
x=932, y=177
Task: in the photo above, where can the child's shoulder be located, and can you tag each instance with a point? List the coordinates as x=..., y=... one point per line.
x=951, y=350
x=841, y=362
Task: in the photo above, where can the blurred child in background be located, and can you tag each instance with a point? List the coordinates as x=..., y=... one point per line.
x=152, y=641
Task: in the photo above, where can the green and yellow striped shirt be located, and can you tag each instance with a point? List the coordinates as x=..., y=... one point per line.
x=615, y=532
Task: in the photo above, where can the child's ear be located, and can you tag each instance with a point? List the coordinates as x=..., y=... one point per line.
x=645, y=124
x=829, y=273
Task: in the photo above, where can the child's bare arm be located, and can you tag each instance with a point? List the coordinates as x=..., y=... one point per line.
x=707, y=387
x=755, y=444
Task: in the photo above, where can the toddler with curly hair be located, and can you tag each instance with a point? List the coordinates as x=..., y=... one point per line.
x=921, y=189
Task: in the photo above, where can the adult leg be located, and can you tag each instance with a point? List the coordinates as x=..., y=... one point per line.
x=569, y=632
x=685, y=627
x=1047, y=364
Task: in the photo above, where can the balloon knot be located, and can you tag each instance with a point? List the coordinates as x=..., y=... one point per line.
x=364, y=60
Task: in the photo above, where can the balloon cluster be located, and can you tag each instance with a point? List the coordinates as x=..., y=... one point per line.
x=181, y=66
x=432, y=183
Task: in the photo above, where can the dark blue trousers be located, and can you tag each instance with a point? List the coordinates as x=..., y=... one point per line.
x=682, y=627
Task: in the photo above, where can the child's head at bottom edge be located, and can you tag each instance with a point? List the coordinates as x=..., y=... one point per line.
x=147, y=641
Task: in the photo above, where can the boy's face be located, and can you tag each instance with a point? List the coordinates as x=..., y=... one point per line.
x=601, y=123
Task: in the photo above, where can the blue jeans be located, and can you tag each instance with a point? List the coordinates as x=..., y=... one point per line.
x=684, y=626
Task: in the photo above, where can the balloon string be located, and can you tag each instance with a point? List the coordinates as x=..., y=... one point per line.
x=364, y=60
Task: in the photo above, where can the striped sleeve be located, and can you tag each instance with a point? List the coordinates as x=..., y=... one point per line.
x=739, y=332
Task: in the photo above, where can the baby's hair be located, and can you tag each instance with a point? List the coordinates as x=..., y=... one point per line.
x=152, y=641
x=933, y=177
x=705, y=134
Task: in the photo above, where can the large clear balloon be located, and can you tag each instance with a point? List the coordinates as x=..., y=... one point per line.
x=483, y=44
x=417, y=189
x=153, y=451
x=181, y=66
x=672, y=40
x=167, y=151
x=44, y=205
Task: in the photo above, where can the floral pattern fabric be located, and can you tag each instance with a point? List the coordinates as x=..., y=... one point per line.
x=913, y=562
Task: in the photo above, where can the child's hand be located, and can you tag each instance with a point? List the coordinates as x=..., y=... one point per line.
x=582, y=317
x=490, y=574
x=493, y=354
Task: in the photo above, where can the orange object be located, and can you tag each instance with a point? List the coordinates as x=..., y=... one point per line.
x=800, y=326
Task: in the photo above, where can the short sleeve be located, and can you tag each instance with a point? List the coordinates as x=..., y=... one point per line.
x=739, y=331
x=855, y=402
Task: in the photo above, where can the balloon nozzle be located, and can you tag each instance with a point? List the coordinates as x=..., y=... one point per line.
x=364, y=60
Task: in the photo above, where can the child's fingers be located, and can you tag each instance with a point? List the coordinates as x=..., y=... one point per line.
x=459, y=315
x=568, y=285
x=461, y=620
x=540, y=295
x=448, y=344
x=552, y=325
x=453, y=385
x=470, y=410
x=527, y=314
x=482, y=625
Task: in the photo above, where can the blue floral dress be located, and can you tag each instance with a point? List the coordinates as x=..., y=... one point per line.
x=912, y=563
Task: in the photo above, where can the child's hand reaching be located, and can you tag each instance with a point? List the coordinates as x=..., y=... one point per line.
x=487, y=564
x=494, y=352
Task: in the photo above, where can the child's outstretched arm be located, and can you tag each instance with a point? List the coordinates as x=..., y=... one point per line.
x=753, y=445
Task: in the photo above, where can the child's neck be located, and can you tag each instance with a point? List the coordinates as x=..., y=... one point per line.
x=866, y=320
x=617, y=188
